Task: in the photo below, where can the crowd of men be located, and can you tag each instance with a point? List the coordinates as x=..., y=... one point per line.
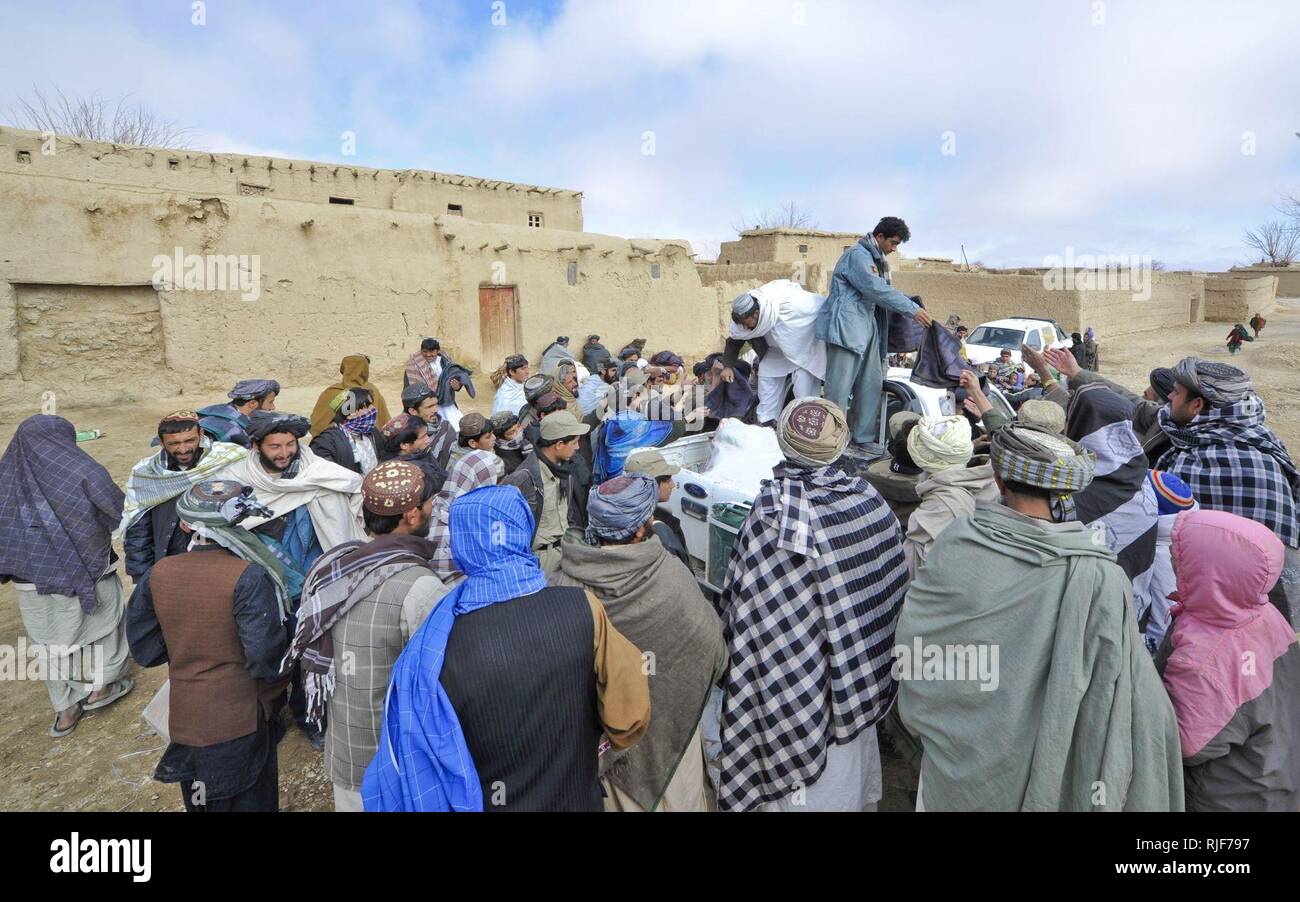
x=467, y=612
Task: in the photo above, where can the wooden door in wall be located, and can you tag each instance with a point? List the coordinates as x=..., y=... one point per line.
x=496, y=312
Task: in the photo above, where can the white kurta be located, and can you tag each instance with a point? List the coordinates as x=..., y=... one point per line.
x=509, y=397
x=787, y=321
x=451, y=413
x=852, y=780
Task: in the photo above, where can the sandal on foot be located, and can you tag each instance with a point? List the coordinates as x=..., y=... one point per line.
x=54, y=727
x=120, y=688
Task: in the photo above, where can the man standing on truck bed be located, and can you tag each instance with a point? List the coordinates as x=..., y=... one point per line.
x=779, y=320
x=852, y=323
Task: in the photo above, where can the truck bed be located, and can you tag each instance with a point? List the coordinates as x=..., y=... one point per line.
x=696, y=491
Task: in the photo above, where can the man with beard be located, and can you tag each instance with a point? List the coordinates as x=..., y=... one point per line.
x=554, y=485
x=555, y=352
x=420, y=401
x=227, y=422
x=186, y=458
x=360, y=605
x=594, y=392
x=1231, y=460
x=316, y=505
x=566, y=385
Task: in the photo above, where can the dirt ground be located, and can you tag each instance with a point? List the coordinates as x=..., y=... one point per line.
x=107, y=764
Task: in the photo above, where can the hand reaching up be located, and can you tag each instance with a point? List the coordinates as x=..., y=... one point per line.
x=1063, y=360
x=976, y=401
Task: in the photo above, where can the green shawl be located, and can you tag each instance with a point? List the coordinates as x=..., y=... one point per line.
x=1079, y=720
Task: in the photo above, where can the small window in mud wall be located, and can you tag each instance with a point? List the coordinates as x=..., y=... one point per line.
x=573, y=273
x=23, y=156
x=534, y=220
x=655, y=271
x=455, y=209
x=803, y=248
x=346, y=201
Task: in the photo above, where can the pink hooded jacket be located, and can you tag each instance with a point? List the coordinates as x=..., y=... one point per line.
x=1226, y=635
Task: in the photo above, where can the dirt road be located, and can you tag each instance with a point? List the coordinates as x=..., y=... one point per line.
x=106, y=765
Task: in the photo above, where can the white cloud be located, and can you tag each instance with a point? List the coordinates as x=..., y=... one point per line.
x=1120, y=138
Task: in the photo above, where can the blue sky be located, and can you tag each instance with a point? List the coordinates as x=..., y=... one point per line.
x=1110, y=127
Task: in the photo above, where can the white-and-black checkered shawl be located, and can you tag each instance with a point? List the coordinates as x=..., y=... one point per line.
x=1233, y=462
x=812, y=597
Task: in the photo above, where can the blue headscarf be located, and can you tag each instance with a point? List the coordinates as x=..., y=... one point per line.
x=623, y=434
x=423, y=763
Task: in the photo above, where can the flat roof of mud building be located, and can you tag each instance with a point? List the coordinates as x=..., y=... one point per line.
x=188, y=159
x=809, y=233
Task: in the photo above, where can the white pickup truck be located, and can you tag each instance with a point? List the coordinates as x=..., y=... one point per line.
x=700, y=496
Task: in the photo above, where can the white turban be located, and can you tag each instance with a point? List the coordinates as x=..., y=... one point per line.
x=940, y=443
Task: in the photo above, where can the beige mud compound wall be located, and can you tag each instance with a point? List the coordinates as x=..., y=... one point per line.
x=812, y=277
x=797, y=249
x=80, y=314
x=622, y=289
x=1176, y=298
x=980, y=297
x=206, y=174
x=1235, y=299
x=1288, y=277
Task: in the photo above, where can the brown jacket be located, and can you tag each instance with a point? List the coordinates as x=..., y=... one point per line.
x=205, y=626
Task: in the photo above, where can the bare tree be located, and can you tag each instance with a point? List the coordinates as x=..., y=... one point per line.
x=1290, y=208
x=786, y=216
x=1277, y=242
x=95, y=118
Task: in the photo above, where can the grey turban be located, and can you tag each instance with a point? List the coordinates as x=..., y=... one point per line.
x=415, y=393
x=247, y=389
x=1162, y=383
x=1217, y=383
x=215, y=508
x=742, y=306
x=618, y=507
x=536, y=386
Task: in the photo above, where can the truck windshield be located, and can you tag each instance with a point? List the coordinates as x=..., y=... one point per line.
x=997, y=337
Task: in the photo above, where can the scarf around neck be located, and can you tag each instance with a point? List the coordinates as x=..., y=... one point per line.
x=423, y=762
